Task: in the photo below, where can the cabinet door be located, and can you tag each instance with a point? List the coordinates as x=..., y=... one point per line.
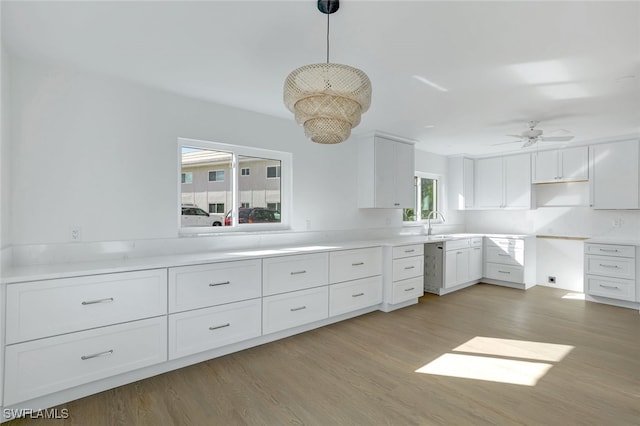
x=384, y=177
x=456, y=267
x=489, y=192
x=404, y=171
x=517, y=181
x=574, y=164
x=475, y=263
x=467, y=182
x=614, y=175
x=545, y=167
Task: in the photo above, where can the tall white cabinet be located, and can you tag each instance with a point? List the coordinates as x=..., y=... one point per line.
x=615, y=178
x=503, y=182
x=385, y=172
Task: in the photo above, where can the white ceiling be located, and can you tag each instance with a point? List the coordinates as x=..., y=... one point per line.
x=571, y=65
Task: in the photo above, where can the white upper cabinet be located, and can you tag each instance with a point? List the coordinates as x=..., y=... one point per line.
x=503, y=182
x=615, y=181
x=564, y=165
x=460, y=178
x=385, y=172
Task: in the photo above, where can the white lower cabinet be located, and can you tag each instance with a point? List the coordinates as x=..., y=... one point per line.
x=476, y=263
x=610, y=271
x=408, y=289
x=350, y=296
x=456, y=263
x=293, y=309
x=510, y=261
x=209, y=328
x=44, y=366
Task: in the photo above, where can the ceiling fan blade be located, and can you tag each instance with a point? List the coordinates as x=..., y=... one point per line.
x=505, y=143
x=529, y=142
x=515, y=136
x=556, y=138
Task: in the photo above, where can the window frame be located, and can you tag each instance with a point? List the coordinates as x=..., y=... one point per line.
x=440, y=201
x=215, y=171
x=248, y=169
x=185, y=177
x=286, y=186
x=278, y=172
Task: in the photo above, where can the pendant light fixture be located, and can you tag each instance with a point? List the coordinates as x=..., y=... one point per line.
x=327, y=99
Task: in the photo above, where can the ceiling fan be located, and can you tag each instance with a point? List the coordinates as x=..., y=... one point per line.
x=533, y=136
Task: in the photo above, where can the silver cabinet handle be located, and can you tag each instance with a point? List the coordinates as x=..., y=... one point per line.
x=409, y=289
x=409, y=267
x=99, y=354
x=610, y=286
x=504, y=255
x=217, y=284
x=93, y=302
x=504, y=272
x=298, y=309
x=215, y=327
x=609, y=250
x=357, y=264
x=298, y=272
x=357, y=295
x=609, y=266
x=409, y=251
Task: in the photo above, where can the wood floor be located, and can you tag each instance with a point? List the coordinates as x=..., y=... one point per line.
x=362, y=371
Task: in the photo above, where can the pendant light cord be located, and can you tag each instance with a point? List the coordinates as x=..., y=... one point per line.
x=328, y=14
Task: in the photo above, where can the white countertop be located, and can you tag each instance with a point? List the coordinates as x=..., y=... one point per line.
x=74, y=269
x=624, y=241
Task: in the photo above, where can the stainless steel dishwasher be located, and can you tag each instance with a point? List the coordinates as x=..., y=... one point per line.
x=433, y=267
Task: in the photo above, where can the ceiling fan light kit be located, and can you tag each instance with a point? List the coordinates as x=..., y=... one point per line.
x=327, y=99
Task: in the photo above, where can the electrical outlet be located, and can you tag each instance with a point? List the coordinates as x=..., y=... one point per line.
x=551, y=280
x=75, y=233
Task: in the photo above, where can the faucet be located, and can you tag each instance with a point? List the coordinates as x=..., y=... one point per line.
x=433, y=214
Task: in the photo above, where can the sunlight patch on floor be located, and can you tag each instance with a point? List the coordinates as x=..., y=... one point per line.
x=515, y=348
x=487, y=368
x=498, y=360
x=574, y=296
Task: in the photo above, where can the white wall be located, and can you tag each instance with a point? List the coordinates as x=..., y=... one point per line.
x=5, y=153
x=100, y=153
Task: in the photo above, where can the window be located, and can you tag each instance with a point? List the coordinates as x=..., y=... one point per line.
x=273, y=206
x=216, y=176
x=273, y=172
x=216, y=208
x=427, y=198
x=261, y=201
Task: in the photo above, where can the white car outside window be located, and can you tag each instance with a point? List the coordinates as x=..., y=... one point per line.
x=195, y=216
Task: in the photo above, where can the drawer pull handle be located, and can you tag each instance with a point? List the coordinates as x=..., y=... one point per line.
x=217, y=284
x=298, y=309
x=409, y=267
x=409, y=251
x=357, y=264
x=504, y=255
x=357, y=295
x=409, y=289
x=299, y=272
x=609, y=266
x=99, y=354
x=93, y=302
x=610, y=286
x=609, y=250
x=219, y=326
x=504, y=272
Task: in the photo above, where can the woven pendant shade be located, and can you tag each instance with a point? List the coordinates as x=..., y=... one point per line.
x=328, y=100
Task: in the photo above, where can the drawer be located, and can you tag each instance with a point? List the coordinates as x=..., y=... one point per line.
x=407, y=289
x=347, y=265
x=514, y=274
x=203, y=329
x=44, y=366
x=200, y=286
x=620, y=267
x=48, y=308
x=613, y=288
x=353, y=295
x=476, y=241
x=498, y=255
x=507, y=244
x=408, y=250
x=610, y=250
x=408, y=267
x=289, y=310
x=456, y=244
x=290, y=273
